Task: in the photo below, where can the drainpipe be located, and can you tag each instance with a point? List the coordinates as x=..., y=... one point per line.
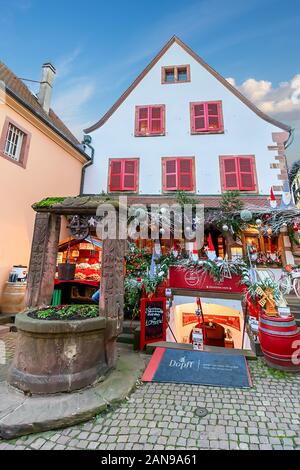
x=87, y=140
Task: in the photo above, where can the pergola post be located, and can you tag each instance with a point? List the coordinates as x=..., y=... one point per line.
x=42, y=264
x=112, y=294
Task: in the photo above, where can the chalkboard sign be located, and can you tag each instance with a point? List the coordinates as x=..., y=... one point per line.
x=153, y=321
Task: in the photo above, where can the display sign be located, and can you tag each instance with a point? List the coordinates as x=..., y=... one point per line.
x=198, y=279
x=197, y=337
x=153, y=321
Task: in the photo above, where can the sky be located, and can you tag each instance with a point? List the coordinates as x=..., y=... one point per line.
x=99, y=47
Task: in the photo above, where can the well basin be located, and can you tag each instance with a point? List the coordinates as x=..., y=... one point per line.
x=55, y=356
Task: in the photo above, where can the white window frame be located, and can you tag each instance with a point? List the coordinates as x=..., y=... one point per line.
x=14, y=142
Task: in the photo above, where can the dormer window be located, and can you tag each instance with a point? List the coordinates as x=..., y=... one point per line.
x=175, y=74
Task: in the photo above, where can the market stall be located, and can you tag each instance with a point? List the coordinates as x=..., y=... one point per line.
x=78, y=271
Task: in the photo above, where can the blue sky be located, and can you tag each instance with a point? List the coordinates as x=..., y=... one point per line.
x=99, y=47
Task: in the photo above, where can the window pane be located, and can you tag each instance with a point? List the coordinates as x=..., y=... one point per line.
x=115, y=182
x=213, y=122
x=199, y=110
x=169, y=75
x=129, y=181
x=171, y=166
x=246, y=181
x=171, y=181
x=143, y=126
x=156, y=113
x=231, y=181
x=156, y=125
x=199, y=123
x=245, y=165
x=185, y=165
x=229, y=165
x=182, y=75
x=212, y=109
x=143, y=113
x=14, y=142
x=185, y=181
x=129, y=167
x=116, y=167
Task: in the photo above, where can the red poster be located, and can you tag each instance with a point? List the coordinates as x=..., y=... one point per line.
x=153, y=321
x=197, y=279
x=234, y=322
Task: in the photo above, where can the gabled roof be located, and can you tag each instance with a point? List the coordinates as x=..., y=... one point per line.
x=17, y=88
x=219, y=77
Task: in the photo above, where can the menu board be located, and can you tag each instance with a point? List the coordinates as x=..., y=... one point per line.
x=153, y=321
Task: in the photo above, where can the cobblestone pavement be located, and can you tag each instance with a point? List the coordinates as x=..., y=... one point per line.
x=162, y=416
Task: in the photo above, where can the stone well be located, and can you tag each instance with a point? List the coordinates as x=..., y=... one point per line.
x=58, y=355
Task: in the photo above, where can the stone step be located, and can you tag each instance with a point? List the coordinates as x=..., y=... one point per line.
x=6, y=318
x=129, y=326
x=126, y=338
x=4, y=329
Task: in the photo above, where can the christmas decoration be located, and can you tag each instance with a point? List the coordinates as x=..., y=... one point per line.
x=211, y=253
x=286, y=199
x=272, y=199
x=246, y=215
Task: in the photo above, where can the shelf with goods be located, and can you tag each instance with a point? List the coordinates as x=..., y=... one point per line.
x=78, y=273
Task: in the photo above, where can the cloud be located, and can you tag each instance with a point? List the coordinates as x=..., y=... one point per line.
x=281, y=102
x=71, y=104
x=64, y=65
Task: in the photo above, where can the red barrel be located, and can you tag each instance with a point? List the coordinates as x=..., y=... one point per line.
x=279, y=340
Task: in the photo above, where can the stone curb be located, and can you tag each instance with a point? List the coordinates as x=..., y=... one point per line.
x=21, y=415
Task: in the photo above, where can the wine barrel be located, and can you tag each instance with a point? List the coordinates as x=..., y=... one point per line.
x=13, y=297
x=279, y=340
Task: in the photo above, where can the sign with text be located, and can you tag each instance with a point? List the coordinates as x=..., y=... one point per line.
x=198, y=367
x=153, y=321
x=198, y=279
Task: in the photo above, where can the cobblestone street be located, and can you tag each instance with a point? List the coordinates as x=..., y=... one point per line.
x=162, y=416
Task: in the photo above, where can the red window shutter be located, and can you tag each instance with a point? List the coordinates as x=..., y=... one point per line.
x=156, y=124
x=170, y=175
x=123, y=175
x=115, y=178
x=185, y=174
x=150, y=120
x=246, y=173
x=142, y=120
x=206, y=117
x=230, y=173
x=198, y=117
x=130, y=175
x=214, y=116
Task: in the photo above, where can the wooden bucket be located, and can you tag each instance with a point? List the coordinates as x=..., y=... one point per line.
x=279, y=340
x=13, y=297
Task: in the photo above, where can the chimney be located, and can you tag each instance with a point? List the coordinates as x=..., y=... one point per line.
x=45, y=92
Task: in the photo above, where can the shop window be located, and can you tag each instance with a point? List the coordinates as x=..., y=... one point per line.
x=150, y=120
x=178, y=174
x=175, y=74
x=123, y=174
x=206, y=117
x=14, y=143
x=238, y=173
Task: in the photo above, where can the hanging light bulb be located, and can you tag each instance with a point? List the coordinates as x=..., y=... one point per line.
x=258, y=222
x=225, y=228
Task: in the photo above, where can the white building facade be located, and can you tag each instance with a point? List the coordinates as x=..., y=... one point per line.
x=181, y=126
